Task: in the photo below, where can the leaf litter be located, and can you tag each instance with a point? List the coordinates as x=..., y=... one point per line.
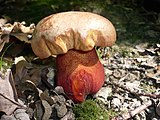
x=131, y=86
x=132, y=83
x=17, y=29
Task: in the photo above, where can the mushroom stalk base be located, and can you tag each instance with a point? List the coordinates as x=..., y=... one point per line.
x=79, y=73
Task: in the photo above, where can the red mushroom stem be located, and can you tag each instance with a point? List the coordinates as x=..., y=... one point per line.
x=79, y=73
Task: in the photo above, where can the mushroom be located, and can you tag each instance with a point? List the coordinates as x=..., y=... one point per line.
x=72, y=36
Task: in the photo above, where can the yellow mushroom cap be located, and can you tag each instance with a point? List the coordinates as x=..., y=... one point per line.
x=58, y=33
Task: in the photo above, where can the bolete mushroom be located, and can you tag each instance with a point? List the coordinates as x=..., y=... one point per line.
x=72, y=37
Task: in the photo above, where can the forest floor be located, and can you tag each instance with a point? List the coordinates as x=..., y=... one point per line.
x=132, y=68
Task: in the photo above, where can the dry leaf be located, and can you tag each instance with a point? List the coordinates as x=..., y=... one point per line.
x=2, y=21
x=8, y=117
x=18, y=59
x=22, y=37
x=3, y=39
x=20, y=114
x=22, y=32
x=21, y=71
x=45, y=96
x=103, y=94
x=69, y=116
x=2, y=43
x=4, y=34
x=26, y=71
x=43, y=110
x=18, y=30
x=61, y=110
x=29, y=86
x=8, y=94
x=19, y=27
x=38, y=114
x=47, y=110
x=155, y=75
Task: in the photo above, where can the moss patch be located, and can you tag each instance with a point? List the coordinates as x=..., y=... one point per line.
x=90, y=110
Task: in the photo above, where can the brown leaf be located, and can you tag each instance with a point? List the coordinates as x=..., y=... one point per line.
x=61, y=110
x=2, y=21
x=155, y=75
x=29, y=86
x=20, y=114
x=2, y=43
x=45, y=96
x=26, y=71
x=69, y=116
x=22, y=37
x=3, y=39
x=43, y=110
x=8, y=117
x=22, y=32
x=8, y=94
x=18, y=30
x=21, y=28
x=38, y=114
x=47, y=110
x=20, y=71
x=35, y=76
x=4, y=34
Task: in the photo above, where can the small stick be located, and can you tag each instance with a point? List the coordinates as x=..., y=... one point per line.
x=123, y=66
x=13, y=101
x=132, y=113
x=154, y=96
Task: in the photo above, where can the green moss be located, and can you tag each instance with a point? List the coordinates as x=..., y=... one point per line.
x=90, y=110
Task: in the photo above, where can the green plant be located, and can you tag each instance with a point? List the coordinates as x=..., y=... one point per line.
x=1, y=58
x=90, y=110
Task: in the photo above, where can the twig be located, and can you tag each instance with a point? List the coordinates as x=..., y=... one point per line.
x=132, y=113
x=124, y=66
x=14, y=102
x=125, y=88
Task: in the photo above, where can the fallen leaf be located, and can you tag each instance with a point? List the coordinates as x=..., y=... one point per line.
x=155, y=75
x=2, y=43
x=30, y=87
x=17, y=29
x=69, y=116
x=47, y=110
x=103, y=94
x=45, y=96
x=3, y=39
x=38, y=114
x=61, y=110
x=8, y=117
x=26, y=72
x=8, y=95
x=18, y=59
x=2, y=21
x=20, y=114
x=43, y=110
